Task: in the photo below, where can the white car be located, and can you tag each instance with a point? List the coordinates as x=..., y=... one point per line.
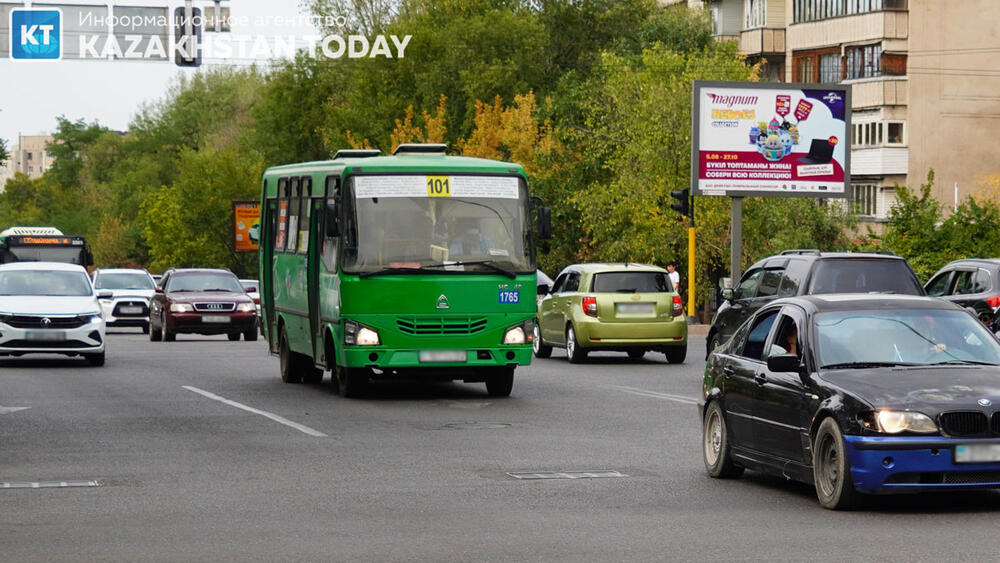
x=50, y=308
x=131, y=291
x=253, y=290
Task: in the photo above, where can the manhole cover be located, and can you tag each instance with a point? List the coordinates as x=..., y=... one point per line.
x=603, y=474
x=49, y=484
x=475, y=425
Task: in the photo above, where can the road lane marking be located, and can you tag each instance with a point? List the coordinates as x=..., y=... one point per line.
x=49, y=484
x=279, y=419
x=8, y=410
x=654, y=394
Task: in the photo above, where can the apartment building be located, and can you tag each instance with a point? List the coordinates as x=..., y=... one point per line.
x=925, y=80
x=29, y=157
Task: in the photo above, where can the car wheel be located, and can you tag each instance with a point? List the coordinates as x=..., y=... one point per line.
x=636, y=354
x=716, y=451
x=540, y=349
x=831, y=469
x=714, y=341
x=501, y=382
x=574, y=352
x=288, y=361
x=145, y=328
x=155, y=334
x=676, y=354
x=96, y=360
x=169, y=335
x=250, y=335
x=351, y=382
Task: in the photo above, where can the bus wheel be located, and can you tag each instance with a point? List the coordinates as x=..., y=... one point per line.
x=312, y=375
x=289, y=362
x=352, y=382
x=501, y=382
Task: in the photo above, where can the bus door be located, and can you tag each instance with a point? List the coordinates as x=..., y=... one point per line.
x=267, y=240
x=312, y=275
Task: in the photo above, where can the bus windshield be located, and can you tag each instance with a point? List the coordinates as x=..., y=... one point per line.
x=395, y=222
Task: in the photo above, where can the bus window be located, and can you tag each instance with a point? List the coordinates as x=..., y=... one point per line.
x=330, y=243
x=279, y=232
x=294, y=199
x=305, y=212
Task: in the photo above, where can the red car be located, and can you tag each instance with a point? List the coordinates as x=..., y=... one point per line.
x=201, y=301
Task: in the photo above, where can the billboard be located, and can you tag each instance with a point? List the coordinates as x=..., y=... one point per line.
x=246, y=226
x=770, y=139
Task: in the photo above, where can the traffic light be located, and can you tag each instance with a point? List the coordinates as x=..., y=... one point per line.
x=187, y=36
x=683, y=203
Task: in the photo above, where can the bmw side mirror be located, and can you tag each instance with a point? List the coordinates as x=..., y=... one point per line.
x=727, y=293
x=105, y=294
x=783, y=363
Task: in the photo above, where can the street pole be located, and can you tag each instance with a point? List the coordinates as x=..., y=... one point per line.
x=736, y=240
x=691, y=271
x=188, y=31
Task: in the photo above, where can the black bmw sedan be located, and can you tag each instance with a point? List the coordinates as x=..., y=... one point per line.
x=857, y=394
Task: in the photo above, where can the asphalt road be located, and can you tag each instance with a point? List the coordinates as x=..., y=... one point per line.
x=414, y=472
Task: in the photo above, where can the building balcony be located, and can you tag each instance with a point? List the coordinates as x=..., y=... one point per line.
x=878, y=92
x=762, y=41
x=879, y=161
x=860, y=28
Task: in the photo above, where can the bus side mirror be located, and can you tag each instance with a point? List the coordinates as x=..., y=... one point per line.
x=332, y=219
x=544, y=222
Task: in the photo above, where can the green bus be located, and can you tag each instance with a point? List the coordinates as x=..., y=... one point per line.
x=415, y=265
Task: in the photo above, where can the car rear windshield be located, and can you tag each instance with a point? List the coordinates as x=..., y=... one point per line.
x=864, y=275
x=630, y=282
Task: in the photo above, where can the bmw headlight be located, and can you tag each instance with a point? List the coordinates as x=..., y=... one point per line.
x=894, y=422
x=357, y=334
x=246, y=307
x=520, y=334
x=181, y=308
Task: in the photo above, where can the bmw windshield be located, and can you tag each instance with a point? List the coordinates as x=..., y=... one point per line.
x=476, y=224
x=903, y=337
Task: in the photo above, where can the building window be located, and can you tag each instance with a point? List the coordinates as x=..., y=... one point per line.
x=829, y=68
x=29, y=156
x=813, y=10
x=894, y=133
x=806, y=70
x=863, y=62
x=865, y=199
x=755, y=13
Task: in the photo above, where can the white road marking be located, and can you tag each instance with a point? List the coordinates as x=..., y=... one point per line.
x=279, y=419
x=654, y=394
x=8, y=410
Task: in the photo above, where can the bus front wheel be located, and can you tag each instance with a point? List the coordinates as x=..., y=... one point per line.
x=351, y=382
x=501, y=382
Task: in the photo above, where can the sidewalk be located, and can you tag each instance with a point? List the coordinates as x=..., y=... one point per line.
x=698, y=329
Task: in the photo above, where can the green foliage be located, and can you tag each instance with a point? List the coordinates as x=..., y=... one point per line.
x=4, y=153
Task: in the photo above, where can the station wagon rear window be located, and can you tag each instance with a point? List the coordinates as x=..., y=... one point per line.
x=864, y=275
x=630, y=282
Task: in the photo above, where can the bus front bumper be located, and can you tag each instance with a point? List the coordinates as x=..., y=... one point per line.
x=393, y=359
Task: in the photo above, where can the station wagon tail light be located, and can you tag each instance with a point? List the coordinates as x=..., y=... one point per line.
x=993, y=301
x=590, y=306
x=678, y=306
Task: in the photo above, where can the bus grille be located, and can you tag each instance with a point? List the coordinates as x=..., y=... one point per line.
x=441, y=325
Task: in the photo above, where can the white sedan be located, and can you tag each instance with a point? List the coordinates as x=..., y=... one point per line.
x=50, y=308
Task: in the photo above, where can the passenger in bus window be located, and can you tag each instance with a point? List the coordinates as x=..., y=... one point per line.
x=469, y=240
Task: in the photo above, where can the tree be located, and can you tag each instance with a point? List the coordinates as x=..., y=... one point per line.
x=4, y=154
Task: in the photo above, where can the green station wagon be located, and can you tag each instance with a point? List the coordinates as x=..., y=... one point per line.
x=619, y=307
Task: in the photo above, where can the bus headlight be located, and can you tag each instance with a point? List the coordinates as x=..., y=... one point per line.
x=181, y=308
x=357, y=334
x=520, y=334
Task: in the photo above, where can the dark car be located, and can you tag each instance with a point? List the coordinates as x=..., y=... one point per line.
x=809, y=272
x=857, y=394
x=971, y=282
x=201, y=301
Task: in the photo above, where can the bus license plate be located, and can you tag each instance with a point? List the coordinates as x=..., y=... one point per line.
x=45, y=336
x=442, y=356
x=214, y=319
x=510, y=297
x=977, y=453
x=131, y=310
